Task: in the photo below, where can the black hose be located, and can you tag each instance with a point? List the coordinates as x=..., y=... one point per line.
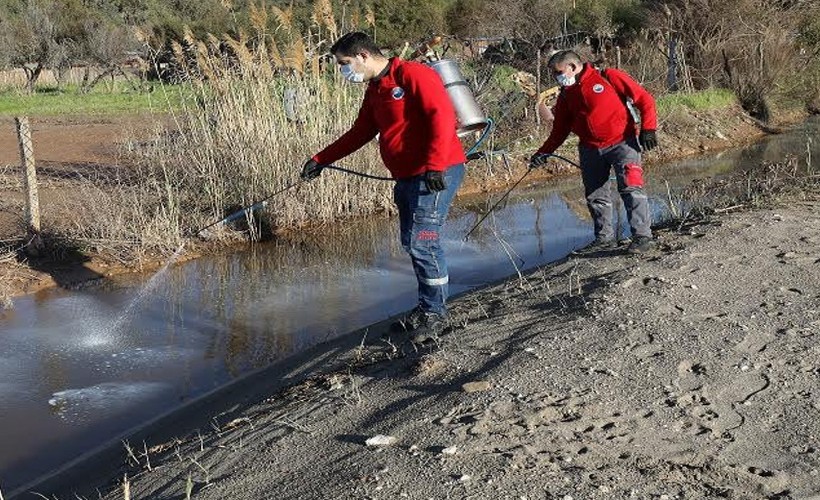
x=359, y=174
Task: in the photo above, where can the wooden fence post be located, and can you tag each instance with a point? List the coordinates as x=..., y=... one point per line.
x=537, y=84
x=29, y=182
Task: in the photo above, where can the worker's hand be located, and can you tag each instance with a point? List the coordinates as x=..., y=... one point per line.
x=435, y=181
x=648, y=140
x=538, y=160
x=311, y=170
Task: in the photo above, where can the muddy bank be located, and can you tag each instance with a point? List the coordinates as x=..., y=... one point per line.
x=688, y=373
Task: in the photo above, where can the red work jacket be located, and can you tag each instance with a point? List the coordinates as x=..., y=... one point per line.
x=410, y=110
x=594, y=108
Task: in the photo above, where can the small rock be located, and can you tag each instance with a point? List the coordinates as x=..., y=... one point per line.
x=478, y=386
x=693, y=287
x=465, y=478
x=381, y=440
x=628, y=282
x=529, y=349
x=452, y=450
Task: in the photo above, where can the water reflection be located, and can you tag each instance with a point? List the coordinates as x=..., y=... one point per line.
x=216, y=318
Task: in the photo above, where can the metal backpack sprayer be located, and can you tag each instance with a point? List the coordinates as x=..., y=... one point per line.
x=468, y=112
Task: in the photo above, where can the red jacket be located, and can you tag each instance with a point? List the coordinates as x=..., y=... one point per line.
x=594, y=109
x=410, y=110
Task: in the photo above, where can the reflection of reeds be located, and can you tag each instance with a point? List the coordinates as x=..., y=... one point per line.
x=254, y=331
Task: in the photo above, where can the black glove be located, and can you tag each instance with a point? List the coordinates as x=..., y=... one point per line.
x=538, y=160
x=648, y=140
x=311, y=170
x=435, y=180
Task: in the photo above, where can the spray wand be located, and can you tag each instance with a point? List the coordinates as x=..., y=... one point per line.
x=258, y=205
x=506, y=163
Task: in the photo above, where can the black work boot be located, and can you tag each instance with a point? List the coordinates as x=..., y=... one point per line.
x=431, y=327
x=408, y=322
x=640, y=244
x=598, y=245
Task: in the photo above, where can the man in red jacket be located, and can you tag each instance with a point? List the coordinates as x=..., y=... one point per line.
x=407, y=105
x=593, y=105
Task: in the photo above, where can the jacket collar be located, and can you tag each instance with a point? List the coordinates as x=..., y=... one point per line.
x=586, y=70
x=389, y=74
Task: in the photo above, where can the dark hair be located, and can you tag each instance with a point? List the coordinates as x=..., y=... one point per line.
x=354, y=43
x=564, y=56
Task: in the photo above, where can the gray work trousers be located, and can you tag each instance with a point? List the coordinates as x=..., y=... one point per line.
x=625, y=159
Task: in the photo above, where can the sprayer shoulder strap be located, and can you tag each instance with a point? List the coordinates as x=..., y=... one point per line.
x=398, y=76
x=602, y=72
x=625, y=99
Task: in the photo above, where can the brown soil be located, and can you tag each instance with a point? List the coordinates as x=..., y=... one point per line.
x=690, y=372
x=65, y=147
x=92, y=144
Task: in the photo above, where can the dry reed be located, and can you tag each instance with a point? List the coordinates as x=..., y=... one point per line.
x=257, y=107
x=251, y=121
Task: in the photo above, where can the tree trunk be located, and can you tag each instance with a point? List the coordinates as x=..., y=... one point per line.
x=672, y=64
x=87, y=88
x=32, y=75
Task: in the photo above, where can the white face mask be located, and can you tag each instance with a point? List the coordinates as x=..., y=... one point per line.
x=564, y=80
x=350, y=75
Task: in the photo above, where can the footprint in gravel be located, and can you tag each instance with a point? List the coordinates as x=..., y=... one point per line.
x=689, y=375
x=742, y=388
x=715, y=408
x=754, y=342
x=770, y=481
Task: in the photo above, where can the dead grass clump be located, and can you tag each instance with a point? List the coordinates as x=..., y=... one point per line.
x=760, y=186
x=9, y=269
x=429, y=365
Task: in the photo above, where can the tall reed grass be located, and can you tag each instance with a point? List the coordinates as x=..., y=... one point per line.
x=254, y=115
x=253, y=110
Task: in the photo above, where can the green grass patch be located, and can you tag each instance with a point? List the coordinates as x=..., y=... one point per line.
x=48, y=101
x=698, y=101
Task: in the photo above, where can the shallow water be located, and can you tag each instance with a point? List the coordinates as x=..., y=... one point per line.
x=74, y=373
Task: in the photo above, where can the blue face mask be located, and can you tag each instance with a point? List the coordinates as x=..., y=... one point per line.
x=564, y=80
x=350, y=75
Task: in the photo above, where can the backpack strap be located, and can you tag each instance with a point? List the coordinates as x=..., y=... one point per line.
x=636, y=117
x=398, y=76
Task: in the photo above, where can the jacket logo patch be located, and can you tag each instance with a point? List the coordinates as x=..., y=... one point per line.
x=397, y=93
x=597, y=88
